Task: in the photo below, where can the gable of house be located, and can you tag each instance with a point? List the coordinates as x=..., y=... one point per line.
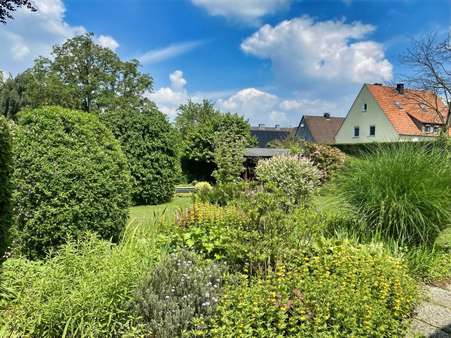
x=366, y=122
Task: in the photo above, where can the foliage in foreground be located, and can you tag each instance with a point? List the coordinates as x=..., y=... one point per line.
x=70, y=176
x=401, y=191
x=5, y=185
x=182, y=287
x=326, y=158
x=85, y=290
x=151, y=146
x=332, y=290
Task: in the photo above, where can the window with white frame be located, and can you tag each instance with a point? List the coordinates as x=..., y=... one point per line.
x=364, y=107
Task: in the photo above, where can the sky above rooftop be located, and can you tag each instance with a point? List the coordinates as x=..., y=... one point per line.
x=269, y=60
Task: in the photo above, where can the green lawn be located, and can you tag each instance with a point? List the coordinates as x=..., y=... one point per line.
x=162, y=213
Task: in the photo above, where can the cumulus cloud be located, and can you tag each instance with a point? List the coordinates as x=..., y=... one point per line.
x=168, y=52
x=320, y=55
x=247, y=11
x=256, y=105
x=263, y=107
x=31, y=34
x=168, y=99
x=107, y=42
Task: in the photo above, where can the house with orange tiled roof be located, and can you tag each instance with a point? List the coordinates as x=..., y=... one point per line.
x=390, y=114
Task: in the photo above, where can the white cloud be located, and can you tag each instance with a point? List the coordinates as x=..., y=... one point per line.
x=173, y=50
x=107, y=42
x=256, y=105
x=247, y=11
x=31, y=34
x=263, y=107
x=320, y=55
x=168, y=99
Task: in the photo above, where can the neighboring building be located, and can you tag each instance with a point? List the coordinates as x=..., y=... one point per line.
x=386, y=114
x=319, y=129
x=264, y=135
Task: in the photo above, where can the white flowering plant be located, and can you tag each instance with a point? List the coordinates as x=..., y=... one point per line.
x=181, y=287
x=294, y=176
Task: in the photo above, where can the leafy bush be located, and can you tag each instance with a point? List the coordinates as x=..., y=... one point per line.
x=228, y=155
x=225, y=193
x=329, y=290
x=251, y=237
x=86, y=290
x=401, y=191
x=70, y=176
x=326, y=158
x=295, y=176
x=5, y=185
x=151, y=146
x=181, y=288
x=215, y=232
x=202, y=189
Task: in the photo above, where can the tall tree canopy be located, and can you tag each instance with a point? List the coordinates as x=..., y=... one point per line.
x=199, y=125
x=7, y=7
x=85, y=76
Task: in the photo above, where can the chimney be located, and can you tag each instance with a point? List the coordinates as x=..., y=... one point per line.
x=261, y=125
x=327, y=115
x=400, y=88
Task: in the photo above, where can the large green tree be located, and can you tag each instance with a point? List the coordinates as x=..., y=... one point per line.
x=199, y=125
x=13, y=95
x=83, y=75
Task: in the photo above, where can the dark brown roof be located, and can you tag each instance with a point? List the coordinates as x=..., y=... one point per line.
x=322, y=129
x=264, y=135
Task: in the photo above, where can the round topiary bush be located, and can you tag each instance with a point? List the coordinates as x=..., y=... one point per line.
x=70, y=176
x=5, y=186
x=151, y=146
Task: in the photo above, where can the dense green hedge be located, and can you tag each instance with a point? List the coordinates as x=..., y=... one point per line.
x=5, y=187
x=70, y=176
x=151, y=146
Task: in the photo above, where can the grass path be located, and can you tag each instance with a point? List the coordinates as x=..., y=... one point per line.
x=149, y=214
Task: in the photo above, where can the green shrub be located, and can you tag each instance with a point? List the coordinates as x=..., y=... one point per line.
x=202, y=189
x=295, y=176
x=151, y=146
x=214, y=232
x=330, y=290
x=326, y=158
x=85, y=290
x=401, y=191
x=70, y=176
x=182, y=287
x=225, y=193
x=5, y=185
x=251, y=237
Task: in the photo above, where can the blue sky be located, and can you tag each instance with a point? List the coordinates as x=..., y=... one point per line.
x=269, y=60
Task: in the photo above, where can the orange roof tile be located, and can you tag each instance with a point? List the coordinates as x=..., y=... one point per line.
x=402, y=109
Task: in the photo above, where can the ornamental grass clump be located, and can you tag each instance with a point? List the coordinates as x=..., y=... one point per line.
x=295, y=176
x=401, y=191
x=327, y=290
x=180, y=289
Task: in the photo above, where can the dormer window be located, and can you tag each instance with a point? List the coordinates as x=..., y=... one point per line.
x=423, y=107
x=364, y=107
x=397, y=104
x=436, y=129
